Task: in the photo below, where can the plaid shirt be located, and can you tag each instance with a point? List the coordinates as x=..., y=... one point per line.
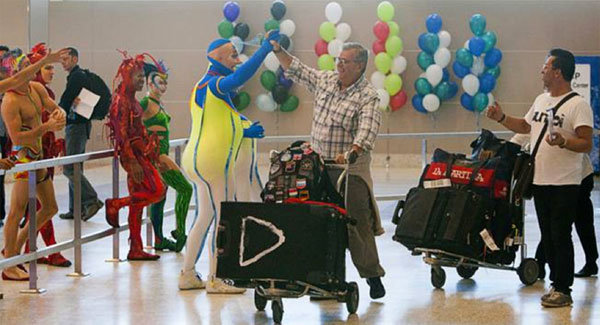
x=341, y=118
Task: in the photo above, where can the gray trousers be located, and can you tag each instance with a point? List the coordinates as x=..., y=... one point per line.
x=76, y=136
x=361, y=237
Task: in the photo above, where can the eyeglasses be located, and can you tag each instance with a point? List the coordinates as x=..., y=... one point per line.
x=343, y=61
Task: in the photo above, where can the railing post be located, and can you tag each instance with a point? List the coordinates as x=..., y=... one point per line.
x=32, y=207
x=424, y=152
x=115, y=194
x=77, y=220
x=148, y=229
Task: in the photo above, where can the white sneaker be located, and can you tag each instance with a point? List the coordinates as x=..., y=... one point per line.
x=219, y=286
x=190, y=280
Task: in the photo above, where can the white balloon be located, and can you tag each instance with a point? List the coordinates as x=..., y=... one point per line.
x=478, y=65
x=271, y=62
x=237, y=43
x=343, y=31
x=442, y=57
x=333, y=12
x=243, y=57
x=287, y=27
x=378, y=80
x=467, y=45
x=266, y=103
x=384, y=99
x=399, y=64
x=490, y=99
x=423, y=75
x=445, y=38
x=470, y=84
x=335, y=47
x=434, y=74
x=431, y=102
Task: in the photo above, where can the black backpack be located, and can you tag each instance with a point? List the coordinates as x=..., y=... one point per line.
x=98, y=87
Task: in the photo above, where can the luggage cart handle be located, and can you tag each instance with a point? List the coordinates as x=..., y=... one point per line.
x=223, y=239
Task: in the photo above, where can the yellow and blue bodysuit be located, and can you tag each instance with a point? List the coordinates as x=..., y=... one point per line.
x=248, y=184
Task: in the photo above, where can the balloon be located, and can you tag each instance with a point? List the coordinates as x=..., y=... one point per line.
x=225, y=29
x=268, y=79
x=265, y=103
x=321, y=47
x=480, y=101
x=327, y=31
x=393, y=84
x=381, y=30
x=398, y=64
x=489, y=38
x=434, y=74
x=241, y=101
x=443, y=90
x=285, y=42
x=453, y=89
x=241, y=30
x=398, y=100
x=431, y=102
x=333, y=12
x=422, y=86
x=271, y=62
x=429, y=42
x=490, y=99
x=343, y=31
x=467, y=102
x=466, y=45
x=492, y=58
x=335, y=47
x=495, y=71
x=477, y=24
x=393, y=45
x=487, y=82
x=282, y=80
x=384, y=99
x=231, y=10
x=290, y=104
x=470, y=84
x=287, y=27
x=238, y=44
x=459, y=70
x=478, y=66
x=378, y=79
x=271, y=24
x=417, y=102
x=476, y=45
x=385, y=11
x=442, y=57
x=433, y=23
x=383, y=62
x=445, y=74
x=279, y=93
x=378, y=46
x=445, y=38
x=464, y=57
x=278, y=9
x=394, y=28
x=326, y=62
x=424, y=60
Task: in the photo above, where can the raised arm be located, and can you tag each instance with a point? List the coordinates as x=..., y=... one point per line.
x=29, y=72
x=515, y=124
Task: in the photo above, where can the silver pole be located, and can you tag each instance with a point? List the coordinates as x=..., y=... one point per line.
x=32, y=207
x=115, y=193
x=148, y=229
x=77, y=219
x=424, y=152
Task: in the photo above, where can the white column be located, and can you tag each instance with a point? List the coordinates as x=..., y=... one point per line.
x=38, y=21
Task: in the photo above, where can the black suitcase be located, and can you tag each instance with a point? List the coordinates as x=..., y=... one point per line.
x=296, y=242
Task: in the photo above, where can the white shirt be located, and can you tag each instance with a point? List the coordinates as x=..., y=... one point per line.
x=555, y=165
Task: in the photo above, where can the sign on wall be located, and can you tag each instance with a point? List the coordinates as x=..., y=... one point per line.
x=586, y=82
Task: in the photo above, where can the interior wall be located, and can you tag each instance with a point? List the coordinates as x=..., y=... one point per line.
x=14, y=24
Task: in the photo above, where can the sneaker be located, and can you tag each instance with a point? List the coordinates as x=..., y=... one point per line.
x=91, y=210
x=557, y=299
x=548, y=294
x=190, y=280
x=587, y=271
x=218, y=286
x=377, y=290
x=66, y=215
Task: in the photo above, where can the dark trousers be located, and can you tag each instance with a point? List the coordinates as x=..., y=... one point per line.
x=555, y=208
x=76, y=136
x=3, y=141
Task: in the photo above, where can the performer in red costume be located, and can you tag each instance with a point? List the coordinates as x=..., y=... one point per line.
x=137, y=152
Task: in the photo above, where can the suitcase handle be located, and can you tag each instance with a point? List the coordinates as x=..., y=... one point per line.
x=223, y=239
x=395, y=216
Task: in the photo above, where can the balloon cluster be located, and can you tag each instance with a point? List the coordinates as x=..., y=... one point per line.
x=237, y=34
x=388, y=60
x=273, y=79
x=477, y=64
x=333, y=36
x=434, y=85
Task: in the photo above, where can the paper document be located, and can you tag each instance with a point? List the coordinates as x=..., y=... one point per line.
x=87, y=101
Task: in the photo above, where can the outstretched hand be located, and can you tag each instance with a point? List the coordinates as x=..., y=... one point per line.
x=254, y=131
x=53, y=57
x=271, y=37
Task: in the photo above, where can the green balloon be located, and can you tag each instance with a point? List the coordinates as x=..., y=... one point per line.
x=393, y=45
x=326, y=62
x=489, y=38
x=424, y=60
x=394, y=28
x=268, y=79
x=271, y=24
x=480, y=101
x=383, y=62
x=327, y=31
x=423, y=86
x=225, y=28
x=279, y=93
x=443, y=90
x=495, y=71
x=464, y=57
x=393, y=84
x=241, y=101
x=290, y=104
x=385, y=11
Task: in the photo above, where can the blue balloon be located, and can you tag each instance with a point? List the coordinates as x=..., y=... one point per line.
x=231, y=10
x=459, y=70
x=282, y=80
x=417, y=102
x=487, y=83
x=467, y=102
x=492, y=58
x=433, y=23
x=477, y=24
x=429, y=42
x=445, y=75
x=476, y=45
x=453, y=89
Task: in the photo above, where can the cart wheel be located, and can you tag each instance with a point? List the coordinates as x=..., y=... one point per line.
x=260, y=302
x=277, y=307
x=438, y=277
x=352, y=298
x=466, y=272
x=528, y=271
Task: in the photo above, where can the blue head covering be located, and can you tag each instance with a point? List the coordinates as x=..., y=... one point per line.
x=216, y=44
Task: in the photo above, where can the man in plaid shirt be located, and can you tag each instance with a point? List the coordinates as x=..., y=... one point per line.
x=345, y=123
